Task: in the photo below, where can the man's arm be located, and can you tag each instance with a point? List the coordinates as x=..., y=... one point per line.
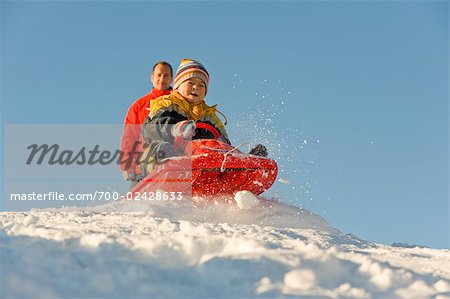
x=130, y=135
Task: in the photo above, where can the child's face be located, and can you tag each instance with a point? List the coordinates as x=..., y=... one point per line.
x=193, y=90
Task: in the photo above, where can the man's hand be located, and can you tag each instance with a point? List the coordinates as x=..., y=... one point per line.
x=129, y=175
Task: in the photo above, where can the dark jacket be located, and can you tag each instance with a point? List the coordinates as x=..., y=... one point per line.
x=168, y=110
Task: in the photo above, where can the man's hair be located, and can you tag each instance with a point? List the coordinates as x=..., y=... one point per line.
x=165, y=63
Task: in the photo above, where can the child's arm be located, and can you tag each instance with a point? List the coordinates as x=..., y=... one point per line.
x=157, y=132
x=217, y=123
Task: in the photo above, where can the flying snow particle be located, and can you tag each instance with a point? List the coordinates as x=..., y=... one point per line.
x=284, y=181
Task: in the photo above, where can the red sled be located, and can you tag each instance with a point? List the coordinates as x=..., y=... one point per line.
x=210, y=168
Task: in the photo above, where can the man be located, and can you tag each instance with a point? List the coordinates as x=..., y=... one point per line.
x=132, y=141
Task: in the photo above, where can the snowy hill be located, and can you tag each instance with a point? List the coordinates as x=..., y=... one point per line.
x=168, y=250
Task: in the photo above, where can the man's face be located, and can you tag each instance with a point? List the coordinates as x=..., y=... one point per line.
x=193, y=90
x=161, y=77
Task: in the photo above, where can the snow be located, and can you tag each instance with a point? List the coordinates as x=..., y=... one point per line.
x=300, y=279
x=246, y=200
x=284, y=181
x=256, y=248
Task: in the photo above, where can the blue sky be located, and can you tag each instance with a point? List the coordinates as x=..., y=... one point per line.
x=350, y=97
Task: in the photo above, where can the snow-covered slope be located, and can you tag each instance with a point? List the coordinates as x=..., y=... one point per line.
x=174, y=250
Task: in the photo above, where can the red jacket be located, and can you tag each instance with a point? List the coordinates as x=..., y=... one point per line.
x=136, y=115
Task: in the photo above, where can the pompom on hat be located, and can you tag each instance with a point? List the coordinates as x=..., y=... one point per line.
x=190, y=68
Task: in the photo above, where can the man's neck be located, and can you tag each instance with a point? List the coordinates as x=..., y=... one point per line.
x=159, y=92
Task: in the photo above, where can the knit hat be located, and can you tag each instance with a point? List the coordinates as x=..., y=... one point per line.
x=190, y=68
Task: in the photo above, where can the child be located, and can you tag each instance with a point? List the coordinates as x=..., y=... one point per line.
x=176, y=114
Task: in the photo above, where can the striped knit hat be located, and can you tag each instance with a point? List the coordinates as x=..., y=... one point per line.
x=190, y=68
